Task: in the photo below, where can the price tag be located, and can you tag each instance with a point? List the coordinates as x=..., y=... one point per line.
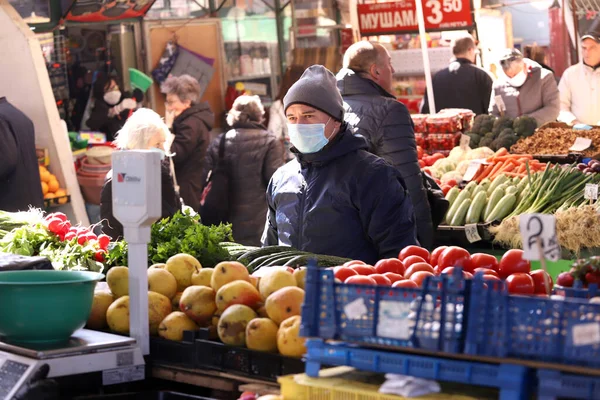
x=393, y=321
x=591, y=191
x=472, y=233
x=539, y=228
x=122, y=375
x=581, y=144
x=586, y=334
x=356, y=309
x=471, y=171
x=500, y=104
x=464, y=141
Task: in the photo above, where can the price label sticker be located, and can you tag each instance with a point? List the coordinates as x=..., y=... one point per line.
x=586, y=334
x=538, y=232
x=356, y=309
x=471, y=171
x=472, y=233
x=591, y=191
x=581, y=144
x=122, y=375
x=500, y=104
x=464, y=141
x=394, y=320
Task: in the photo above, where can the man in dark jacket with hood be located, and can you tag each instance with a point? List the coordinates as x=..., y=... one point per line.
x=463, y=84
x=372, y=111
x=19, y=171
x=335, y=198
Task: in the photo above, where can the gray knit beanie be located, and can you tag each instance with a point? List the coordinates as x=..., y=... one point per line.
x=317, y=88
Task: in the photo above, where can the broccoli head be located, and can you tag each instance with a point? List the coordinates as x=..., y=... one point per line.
x=490, y=135
x=502, y=123
x=506, y=132
x=486, y=142
x=524, y=126
x=505, y=141
x=475, y=139
x=483, y=123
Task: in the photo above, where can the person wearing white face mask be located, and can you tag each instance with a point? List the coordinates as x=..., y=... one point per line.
x=335, y=197
x=525, y=88
x=144, y=130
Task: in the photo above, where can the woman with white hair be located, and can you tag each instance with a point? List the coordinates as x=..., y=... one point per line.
x=252, y=154
x=192, y=122
x=525, y=88
x=144, y=130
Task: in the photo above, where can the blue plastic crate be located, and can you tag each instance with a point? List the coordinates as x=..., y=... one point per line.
x=514, y=381
x=538, y=328
x=555, y=384
x=577, y=291
x=432, y=317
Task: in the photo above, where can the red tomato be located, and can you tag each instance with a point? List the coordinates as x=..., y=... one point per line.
x=405, y=283
x=482, y=260
x=486, y=271
x=419, y=277
x=450, y=271
x=565, y=279
x=512, y=262
x=414, y=251
x=422, y=163
x=390, y=265
x=353, y=262
x=446, y=189
x=381, y=279
x=455, y=256
x=412, y=260
x=103, y=241
x=364, y=269
x=520, y=283
x=538, y=281
x=491, y=278
x=360, y=280
x=435, y=255
x=422, y=266
x=393, y=277
x=343, y=273
x=436, y=270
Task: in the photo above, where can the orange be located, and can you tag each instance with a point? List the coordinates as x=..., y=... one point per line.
x=44, y=175
x=44, y=188
x=49, y=196
x=53, y=185
x=61, y=193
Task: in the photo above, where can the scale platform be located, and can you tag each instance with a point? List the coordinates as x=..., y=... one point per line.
x=117, y=357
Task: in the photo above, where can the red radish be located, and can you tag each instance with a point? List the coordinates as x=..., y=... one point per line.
x=70, y=236
x=54, y=225
x=81, y=240
x=99, y=256
x=103, y=241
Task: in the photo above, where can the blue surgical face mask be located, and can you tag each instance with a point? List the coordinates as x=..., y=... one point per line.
x=308, y=138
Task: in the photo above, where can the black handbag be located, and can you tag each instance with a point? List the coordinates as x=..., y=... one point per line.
x=214, y=203
x=437, y=201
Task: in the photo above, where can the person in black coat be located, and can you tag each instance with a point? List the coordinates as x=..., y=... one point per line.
x=191, y=124
x=463, y=84
x=335, y=198
x=19, y=170
x=144, y=130
x=372, y=111
x=253, y=154
x=111, y=107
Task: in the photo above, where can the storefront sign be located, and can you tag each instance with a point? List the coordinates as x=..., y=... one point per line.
x=102, y=10
x=401, y=16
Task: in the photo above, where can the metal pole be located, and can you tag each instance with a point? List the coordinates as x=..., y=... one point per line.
x=425, y=52
x=280, y=38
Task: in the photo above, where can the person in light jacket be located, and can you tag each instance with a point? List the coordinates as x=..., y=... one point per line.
x=525, y=88
x=253, y=155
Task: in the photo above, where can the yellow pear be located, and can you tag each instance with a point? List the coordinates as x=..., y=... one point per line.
x=238, y=292
x=174, y=324
x=175, y=301
x=182, y=266
x=159, y=306
x=261, y=335
x=275, y=280
x=118, y=281
x=117, y=315
x=162, y=281
x=232, y=324
x=228, y=271
x=202, y=277
x=300, y=276
x=158, y=266
x=284, y=303
x=262, y=312
x=198, y=303
x=97, y=318
x=289, y=342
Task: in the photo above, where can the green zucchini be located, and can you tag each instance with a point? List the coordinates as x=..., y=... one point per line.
x=248, y=257
x=478, y=189
x=524, y=182
x=452, y=194
x=503, y=208
x=461, y=213
x=476, y=208
x=512, y=190
x=492, y=201
x=485, y=182
x=471, y=186
x=464, y=194
x=264, y=260
x=516, y=180
x=497, y=182
x=276, y=259
x=322, y=260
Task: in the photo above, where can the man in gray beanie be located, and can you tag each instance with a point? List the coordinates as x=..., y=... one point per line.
x=335, y=198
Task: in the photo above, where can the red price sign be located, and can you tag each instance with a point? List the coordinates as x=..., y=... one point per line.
x=401, y=16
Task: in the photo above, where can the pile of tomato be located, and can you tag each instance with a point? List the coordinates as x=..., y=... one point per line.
x=58, y=224
x=415, y=263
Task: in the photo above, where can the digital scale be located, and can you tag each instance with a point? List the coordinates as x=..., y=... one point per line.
x=136, y=204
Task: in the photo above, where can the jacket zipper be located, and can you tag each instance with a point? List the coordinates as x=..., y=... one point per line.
x=304, y=189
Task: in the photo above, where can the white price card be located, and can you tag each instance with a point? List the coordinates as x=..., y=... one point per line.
x=538, y=232
x=356, y=309
x=591, y=191
x=586, y=334
x=122, y=375
x=581, y=144
x=464, y=141
x=471, y=171
x=394, y=320
x=472, y=233
x=500, y=103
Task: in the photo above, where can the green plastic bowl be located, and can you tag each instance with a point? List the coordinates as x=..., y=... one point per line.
x=44, y=306
x=139, y=80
